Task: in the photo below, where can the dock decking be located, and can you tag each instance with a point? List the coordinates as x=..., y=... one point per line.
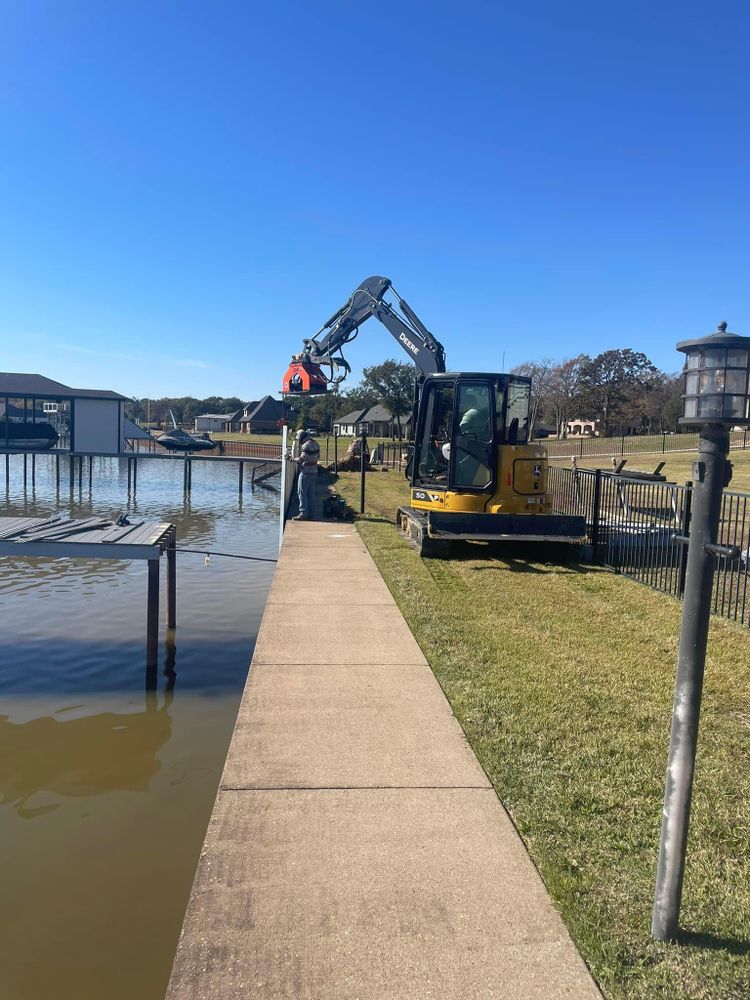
x=61, y=537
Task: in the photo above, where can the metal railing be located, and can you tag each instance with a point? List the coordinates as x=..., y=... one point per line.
x=632, y=524
x=231, y=449
x=633, y=444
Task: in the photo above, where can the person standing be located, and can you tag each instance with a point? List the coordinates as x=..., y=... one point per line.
x=308, y=477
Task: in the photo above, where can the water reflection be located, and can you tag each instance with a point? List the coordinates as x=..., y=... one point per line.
x=54, y=755
x=116, y=766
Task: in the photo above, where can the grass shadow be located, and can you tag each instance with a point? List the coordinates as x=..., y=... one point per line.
x=713, y=942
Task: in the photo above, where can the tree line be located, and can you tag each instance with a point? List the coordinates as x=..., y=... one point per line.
x=620, y=389
x=185, y=408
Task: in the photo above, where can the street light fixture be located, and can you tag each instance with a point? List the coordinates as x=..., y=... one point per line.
x=717, y=371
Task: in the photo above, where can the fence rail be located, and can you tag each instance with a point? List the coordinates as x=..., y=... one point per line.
x=631, y=526
x=635, y=444
x=231, y=449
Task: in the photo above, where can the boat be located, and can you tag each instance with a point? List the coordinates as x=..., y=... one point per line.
x=23, y=436
x=179, y=440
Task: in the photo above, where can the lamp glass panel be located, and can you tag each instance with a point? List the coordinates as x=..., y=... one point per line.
x=711, y=380
x=693, y=360
x=736, y=381
x=714, y=357
x=691, y=407
x=691, y=383
x=735, y=406
x=736, y=358
x=710, y=406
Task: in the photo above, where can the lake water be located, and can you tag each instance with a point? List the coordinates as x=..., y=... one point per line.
x=106, y=787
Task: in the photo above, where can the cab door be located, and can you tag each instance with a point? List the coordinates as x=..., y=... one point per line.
x=433, y=437
x=472, y=449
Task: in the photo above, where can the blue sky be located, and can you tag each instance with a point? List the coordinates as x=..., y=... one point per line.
x=188, y=189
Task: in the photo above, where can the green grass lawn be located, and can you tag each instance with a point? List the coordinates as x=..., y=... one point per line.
x=677, y=469
x=562, y=678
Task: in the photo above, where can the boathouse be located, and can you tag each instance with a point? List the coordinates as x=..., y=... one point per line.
x=85, y=420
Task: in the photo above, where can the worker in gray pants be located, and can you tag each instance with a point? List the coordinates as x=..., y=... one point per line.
x=308, y=477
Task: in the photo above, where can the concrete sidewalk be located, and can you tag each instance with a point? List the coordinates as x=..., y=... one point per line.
x=356, y=848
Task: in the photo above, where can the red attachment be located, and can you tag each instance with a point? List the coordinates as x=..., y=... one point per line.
x=303, y=378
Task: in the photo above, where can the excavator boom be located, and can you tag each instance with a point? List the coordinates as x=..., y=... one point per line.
x=305, y=374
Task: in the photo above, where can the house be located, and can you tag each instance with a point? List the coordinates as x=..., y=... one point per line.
x=212, y=421
x=262, y=416
x=578, y=427
x=346, y=426
x=86, y=420
x=379, y=418
x=384, y=424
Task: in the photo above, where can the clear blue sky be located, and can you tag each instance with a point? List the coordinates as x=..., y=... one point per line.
x=187, y=189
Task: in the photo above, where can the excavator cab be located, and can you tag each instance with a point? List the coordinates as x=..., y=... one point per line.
x=474, y=474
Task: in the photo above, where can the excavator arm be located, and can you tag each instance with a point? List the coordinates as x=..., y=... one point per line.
x=305, y=376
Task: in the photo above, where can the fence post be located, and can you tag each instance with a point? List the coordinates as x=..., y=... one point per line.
x=685, y=532
x=581, y=447
x=663, y=442
x=595, y=515
x=622, y=446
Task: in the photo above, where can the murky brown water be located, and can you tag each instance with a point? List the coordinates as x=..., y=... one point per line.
x=105, y=787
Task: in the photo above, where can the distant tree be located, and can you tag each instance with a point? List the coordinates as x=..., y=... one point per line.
x=564, y=391
x=541, y=375
x=359, y=397
x=662, y=404
x=613, y=385
x=324, y=411
x=393, y=384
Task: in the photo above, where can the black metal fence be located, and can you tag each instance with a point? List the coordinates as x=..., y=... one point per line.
x=631, y=525
x=633, y=444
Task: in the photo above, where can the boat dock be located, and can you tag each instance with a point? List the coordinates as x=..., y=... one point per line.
x=260, y=468
x=356, y=847
x=60, y=537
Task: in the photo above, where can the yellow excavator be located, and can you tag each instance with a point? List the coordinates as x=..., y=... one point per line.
x=473, y=473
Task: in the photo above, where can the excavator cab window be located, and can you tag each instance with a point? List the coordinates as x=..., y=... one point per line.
x=517, y=412
x=472, y=449
x=434, y=444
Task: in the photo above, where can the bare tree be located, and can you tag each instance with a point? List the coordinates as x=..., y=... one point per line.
x=564, y=391
x=540, y=373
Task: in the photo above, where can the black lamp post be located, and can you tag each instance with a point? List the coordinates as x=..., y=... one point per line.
x=716, y=398
x=363, y=429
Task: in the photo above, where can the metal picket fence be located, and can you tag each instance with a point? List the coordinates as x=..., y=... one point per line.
x=632, y=524
x=634, y=444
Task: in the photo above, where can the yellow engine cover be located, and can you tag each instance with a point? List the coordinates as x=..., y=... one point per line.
x=521, y=487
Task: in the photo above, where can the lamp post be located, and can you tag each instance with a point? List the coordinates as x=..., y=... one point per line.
x=715, y=398
x=363, y=429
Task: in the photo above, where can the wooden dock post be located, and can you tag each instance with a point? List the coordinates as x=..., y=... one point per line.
x=242, y=469
x=33, y=471
x=80, y=473
x=71, y=472
x=172, y=581
x=57, y=472
x=91, y=470
x=130, y=475
x=185, y=476
x=152, y=614
x=25, y=464
x=7, y=470
x=135, y=475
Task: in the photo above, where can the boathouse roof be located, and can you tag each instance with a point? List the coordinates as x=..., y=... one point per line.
x=19, y=384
